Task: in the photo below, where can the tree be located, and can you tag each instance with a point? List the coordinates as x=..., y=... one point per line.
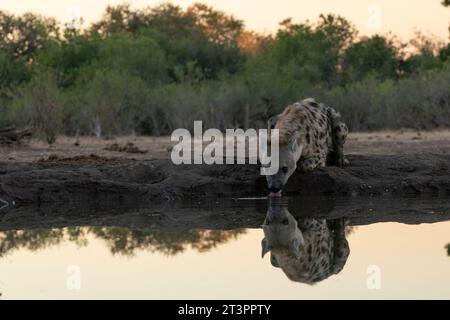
x=446, y=3
x=428, y=54
x=376, y=55
x=137, y=55
x=22, y=36
x=12, y=71
x=117, y=19
x=69, y=58
x=252, y=43
x=218, y=26
x=199, y=36
x=444, y=53
x=312, y=52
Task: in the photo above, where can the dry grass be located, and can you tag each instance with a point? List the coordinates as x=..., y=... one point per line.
x=383, y=142
x=400, y=141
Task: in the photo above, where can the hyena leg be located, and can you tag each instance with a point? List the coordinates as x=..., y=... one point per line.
x=340, y=132
x=340, y=245
x=311, y=163
x=339, y=135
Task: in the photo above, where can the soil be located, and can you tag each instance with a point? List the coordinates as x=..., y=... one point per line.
x=148, y=148
x=68, y=176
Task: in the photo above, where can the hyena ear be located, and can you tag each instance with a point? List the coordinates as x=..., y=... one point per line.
x=265, y=247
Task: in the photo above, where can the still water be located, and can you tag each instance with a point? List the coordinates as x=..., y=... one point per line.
x=371, y=250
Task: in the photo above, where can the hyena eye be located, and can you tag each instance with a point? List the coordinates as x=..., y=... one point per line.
x=267, y=221
x=285, y=222
x=284, y=169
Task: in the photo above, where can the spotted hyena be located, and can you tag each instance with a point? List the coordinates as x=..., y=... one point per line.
x=311, y=135
x=307, y=250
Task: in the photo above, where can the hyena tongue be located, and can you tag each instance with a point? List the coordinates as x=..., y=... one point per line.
x=275, y=194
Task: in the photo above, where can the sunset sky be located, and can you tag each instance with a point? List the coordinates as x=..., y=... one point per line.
x=402, y=17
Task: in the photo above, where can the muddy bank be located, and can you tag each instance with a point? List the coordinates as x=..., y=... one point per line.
x=101, y=182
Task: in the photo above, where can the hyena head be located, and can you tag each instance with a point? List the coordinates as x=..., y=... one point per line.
x=309, y=256
x=289, y=154
x=281, y=232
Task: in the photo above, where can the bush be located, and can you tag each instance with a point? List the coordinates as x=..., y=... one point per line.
x=111, y=103
x=39, y=104
x=152, y=70
x=420, y=102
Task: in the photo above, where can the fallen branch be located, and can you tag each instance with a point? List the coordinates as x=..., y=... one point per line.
x=10, y=135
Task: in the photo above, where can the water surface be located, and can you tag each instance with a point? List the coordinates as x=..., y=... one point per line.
x=395, y=253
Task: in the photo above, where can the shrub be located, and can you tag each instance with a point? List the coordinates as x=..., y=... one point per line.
x=39, y=104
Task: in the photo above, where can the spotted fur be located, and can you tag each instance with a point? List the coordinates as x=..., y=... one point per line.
x=319, y=128
x=322, y=251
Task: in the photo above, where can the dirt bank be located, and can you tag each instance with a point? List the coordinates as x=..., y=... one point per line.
x=107, y=183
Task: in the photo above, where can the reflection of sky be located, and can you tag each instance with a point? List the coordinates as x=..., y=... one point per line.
x=412, y=260
x=399, y=16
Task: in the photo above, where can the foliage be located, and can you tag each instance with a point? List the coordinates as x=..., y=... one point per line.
x=119, y=240
x=152, y=70
x=38, y=104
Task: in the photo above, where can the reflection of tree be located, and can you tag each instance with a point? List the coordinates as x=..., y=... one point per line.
x=120, y=240
x=29, y=239
x=349, y=230
x=126, y=241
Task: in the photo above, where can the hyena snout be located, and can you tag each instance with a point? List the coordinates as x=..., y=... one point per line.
x=274, y=186
x=274, y=189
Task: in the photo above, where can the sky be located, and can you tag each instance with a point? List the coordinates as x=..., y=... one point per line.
x=401, y=17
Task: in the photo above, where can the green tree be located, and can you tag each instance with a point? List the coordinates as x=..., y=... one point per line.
x=138, y=56
x=199, y=36
x=428, y=54
x=22, y=36
x=12, y=71
x=375, y=56
x=218, y=26
x=69, y=57
x=446, y=3
x=313, y=52
x=118, y=19
x=444, y=53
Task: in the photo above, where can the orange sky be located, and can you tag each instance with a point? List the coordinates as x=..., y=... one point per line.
x=402, y=17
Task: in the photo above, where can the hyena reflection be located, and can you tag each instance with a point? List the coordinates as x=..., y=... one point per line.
x=307, y=250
